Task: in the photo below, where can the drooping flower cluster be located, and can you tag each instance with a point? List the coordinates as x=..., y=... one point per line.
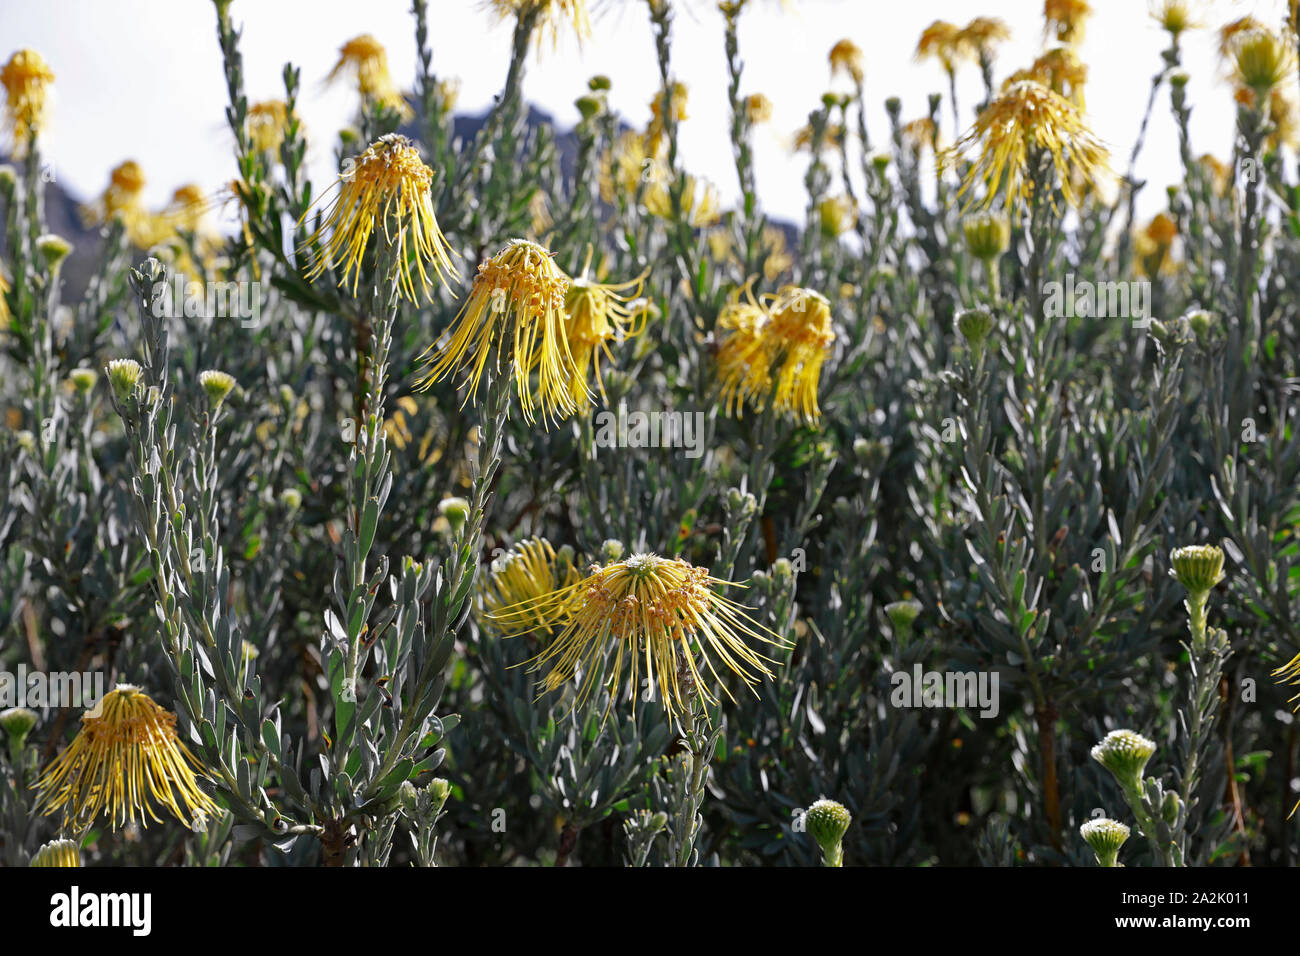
x=365, y=58
x=125, y=758
x=1026, y=121
x=660, y=614
x=774, y=349
x=519, y=309
x=26, y=79
x=385, y=191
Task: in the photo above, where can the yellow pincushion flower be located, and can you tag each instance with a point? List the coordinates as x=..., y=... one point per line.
x=551, y=14
x=758, y=109
x=1262, y=59
x=1065, y=19
x=744, y=367
x=775, y=348
x=124, y=199
x=980, y=35
x=847, y=57
x=365, y=58
x=677, y=95
x=386, y=188
x=1153, y=245
x=26, y=79
x=799, y=338
x=122, y=762
x=662, y=614
x=518, y=579
x=57, y=853
x=942, y=41
x=1028, y=119
x=516, y=304
x=1174, y=16
x=599, y=312
x=1060, y=70
x=700, y=203
x=266, y=122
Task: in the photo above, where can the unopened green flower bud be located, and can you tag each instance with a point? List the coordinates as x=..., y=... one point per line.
x=893, y=105
x=124, y=376
x=83, y=380
x=740, y=504
x=975, y=326
x=17, y=723
x=782, y=571
x=217, y=386
x=902, y=614
x=1105, y=836
x=1125, y=754
x=1197, y=567
x=53, y=249
x=1170, y=807
x=611, y=550
x=63, y=853
x=588, y=106
x=8, y=180
x=408, y=798
x=455, y=510
x=291, y=499
x=657, y=822
x=598, y=83
x=828, y=821
x=1204, y=324
x=880, y=162
x=438, y=790
x=26, y=441
x=988, y=234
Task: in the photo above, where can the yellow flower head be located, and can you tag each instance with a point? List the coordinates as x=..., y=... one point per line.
x=942, y=41
x=1065, y=19
x=847, y=57
x=663, y=613
x=597, y=313
x=124, y=199
x=625, y=165
x=386, y=187
x=1263, y=60
x=920, y=134
x=837, y=215
x=551, y=15
x=677, y=95
x=699, y=201
x=266, y=122
x=1153, y=245
x=519, y=579
x=1028, y=119
x=775, y=349
x=365, y=58
x=1060, y=70
x=26, y=79
x=832, y=136
x=57, y=853
x=1229, y=31
x=980, y=35
x=1219, y=173
x=1174, y=16
x=121, y=762
x=517, y=303
x=758, y=109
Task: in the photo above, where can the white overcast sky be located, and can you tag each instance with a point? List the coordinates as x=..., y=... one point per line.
x=142, y=79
